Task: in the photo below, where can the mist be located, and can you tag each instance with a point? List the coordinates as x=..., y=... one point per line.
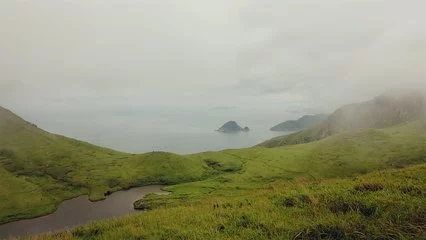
x=103, y=70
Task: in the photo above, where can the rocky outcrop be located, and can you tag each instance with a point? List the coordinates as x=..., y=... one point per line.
x=232, y=127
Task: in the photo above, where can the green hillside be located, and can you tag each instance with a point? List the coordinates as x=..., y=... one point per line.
x=300, y=124
x=383, y=111
x=39, y=170
x=229, y=194
x=386, y=204
x=342, y=155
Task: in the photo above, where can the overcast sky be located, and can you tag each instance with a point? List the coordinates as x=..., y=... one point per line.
x=198, y=54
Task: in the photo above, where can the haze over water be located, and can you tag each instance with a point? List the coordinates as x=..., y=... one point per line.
x=63, y=63
x=143, y=130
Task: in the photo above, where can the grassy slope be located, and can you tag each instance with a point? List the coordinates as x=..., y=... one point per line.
x=388, y=204
x=38, y=169
x=253, y=200
x=381, y=112
x=337, y=156
x=53, y=168
x=301, y=123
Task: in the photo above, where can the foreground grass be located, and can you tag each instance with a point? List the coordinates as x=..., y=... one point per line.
x=38, y=170
x=389, y=204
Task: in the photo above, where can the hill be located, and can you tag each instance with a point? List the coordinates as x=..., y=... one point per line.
x=232, y=127
x=379, y=205
x=40, y=169
x=381, y=112
x=330, y=189
x=300, y=124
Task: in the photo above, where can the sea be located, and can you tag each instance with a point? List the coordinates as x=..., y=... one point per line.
x=139, y=131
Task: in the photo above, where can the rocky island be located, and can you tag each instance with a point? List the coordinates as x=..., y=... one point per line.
x=232, y=127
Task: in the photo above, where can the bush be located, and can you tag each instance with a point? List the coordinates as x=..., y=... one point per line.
x=413, y=191
x=300, y=200
x=289, y=202
x=141, y=204
x=113, y=182
x=322, y=232
x=87, y=233
x=369, y=187
x=342, y=206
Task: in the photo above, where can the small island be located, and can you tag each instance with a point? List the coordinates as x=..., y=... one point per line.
x=232, y=127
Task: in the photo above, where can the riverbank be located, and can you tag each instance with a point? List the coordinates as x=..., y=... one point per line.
x=80, y=210
x=386, y=204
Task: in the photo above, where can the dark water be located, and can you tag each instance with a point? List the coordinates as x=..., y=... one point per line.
x=78, y=211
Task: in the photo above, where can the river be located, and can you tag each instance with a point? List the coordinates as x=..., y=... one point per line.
x=80, y=210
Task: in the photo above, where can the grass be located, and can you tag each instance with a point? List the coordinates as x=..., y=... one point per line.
x=39, y=169
x=384, y=111
x=338, y=208
x=308, y=135
x=298, y=191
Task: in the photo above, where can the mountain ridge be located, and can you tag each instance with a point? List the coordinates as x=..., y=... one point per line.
x=383, y=111
x=300, y=124
x=52, y=168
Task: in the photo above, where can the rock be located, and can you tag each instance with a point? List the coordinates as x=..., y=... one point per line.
x=300, y=124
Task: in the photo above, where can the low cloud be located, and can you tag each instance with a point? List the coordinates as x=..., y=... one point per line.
x=275, y=55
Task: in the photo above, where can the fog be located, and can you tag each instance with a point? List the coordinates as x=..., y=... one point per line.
x=84, y=68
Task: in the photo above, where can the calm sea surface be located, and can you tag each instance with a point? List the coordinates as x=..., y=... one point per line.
x=145, y=131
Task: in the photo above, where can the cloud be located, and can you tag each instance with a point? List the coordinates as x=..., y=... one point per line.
x=223, y=108
x=274, y=55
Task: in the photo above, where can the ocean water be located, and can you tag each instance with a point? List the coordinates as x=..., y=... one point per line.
x=181, y=142
x=142, y=131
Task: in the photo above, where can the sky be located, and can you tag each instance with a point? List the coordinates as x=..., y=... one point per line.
x=266, y=57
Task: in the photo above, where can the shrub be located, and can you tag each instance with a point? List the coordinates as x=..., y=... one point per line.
x=305, y=199
x=342, y=206
x=113, y=182
x=322, y=232
x=410, y=190
x=369, y=187
x=87, y=233
x=141, y=204
x=289, y=202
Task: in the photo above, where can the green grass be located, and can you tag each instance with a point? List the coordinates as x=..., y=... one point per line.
x=311, y=134
x=387, y=204
x=383, y=111
x=342, y=155
x=39, y=170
